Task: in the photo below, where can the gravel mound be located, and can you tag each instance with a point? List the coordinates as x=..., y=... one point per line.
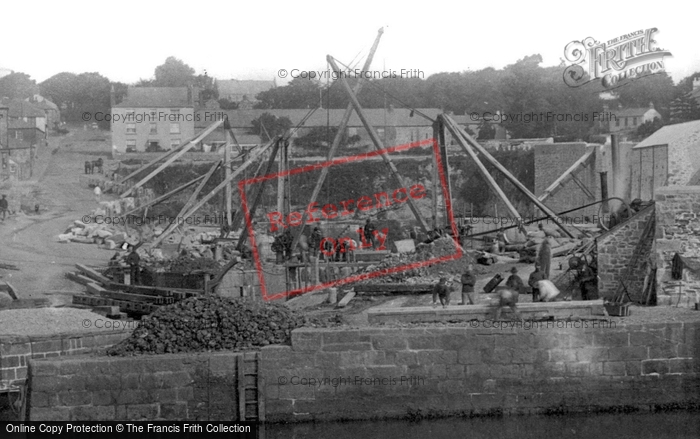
x=210, y=323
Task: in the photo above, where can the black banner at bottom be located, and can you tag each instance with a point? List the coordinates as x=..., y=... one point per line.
x=137, y=429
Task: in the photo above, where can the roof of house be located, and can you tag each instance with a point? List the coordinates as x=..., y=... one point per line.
x=631, y=112
x=156, y=97
x=22, y=124
x=250, y=88
x=688, y=131
x=323, y=117
x=41, y=102
x=20, y=108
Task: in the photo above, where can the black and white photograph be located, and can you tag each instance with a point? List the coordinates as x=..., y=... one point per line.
x=349, y=220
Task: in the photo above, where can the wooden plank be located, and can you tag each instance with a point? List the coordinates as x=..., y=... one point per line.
x=78, y=278
x=259, y=388
x=258, y=195
x=567, y=174
x=163, y=197
x=5, y=286
x=193, y=196
x=154, y=161
x=394, y=288
x=133, y=297
x=484, y=172
x=378, y=145
x=346, y=299
x=94, y=288
x=124, y=305
x=240, y=382
x=174, y=157
x=92, y=274
x=339, y=134
x=510, y=177
x=253, y=156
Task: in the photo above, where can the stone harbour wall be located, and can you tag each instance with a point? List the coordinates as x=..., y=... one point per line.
x=678, y=231
x=372, y=373
x=411, y=372
x=16, y=351
x=615, y=252
x=147, y=387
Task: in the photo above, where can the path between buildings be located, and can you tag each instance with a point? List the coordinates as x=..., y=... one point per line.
x=29, y=241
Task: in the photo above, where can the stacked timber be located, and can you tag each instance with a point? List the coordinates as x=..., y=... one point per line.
x=130, y=299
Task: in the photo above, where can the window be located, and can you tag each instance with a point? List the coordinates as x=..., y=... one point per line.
x=174, y=143
x=174, y=128
x=18, y=134
x=154, y=114
x=130, y=115
x=130, y=145
x=174, y=110
x=131, y=128
x=634, y=121
x=626, y=121
x=617, y=122
x=154, y=128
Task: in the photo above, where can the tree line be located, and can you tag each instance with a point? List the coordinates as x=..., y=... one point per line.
x=524, y=87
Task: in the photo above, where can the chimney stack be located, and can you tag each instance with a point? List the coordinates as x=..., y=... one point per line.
x=112, y=97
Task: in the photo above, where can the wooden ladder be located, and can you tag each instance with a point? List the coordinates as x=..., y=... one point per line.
x=250, y=397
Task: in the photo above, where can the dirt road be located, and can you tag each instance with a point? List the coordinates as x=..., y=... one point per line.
x=29, y=241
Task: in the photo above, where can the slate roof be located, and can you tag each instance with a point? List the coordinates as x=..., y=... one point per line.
x=688, y=131
x=20, y=108
x=228, y=87
x=378, y=117
x=631, y=112
x=155, y=97
x=43, y=103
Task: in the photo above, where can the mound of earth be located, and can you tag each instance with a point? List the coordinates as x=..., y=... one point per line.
x=211, y=323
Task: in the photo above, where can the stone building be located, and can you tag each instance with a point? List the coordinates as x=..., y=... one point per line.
x=153, y=118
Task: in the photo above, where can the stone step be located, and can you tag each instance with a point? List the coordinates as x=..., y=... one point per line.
x=537, y=310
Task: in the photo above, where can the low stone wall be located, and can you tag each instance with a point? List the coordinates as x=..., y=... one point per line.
x=148, y=387
x=616, y=249
x=376, y=373
x=372, y=373
x=16, y=351
x=677, y=231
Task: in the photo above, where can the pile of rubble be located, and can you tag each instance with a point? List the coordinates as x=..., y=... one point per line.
x=188, y=264
x=211, y=323
x=444, y=246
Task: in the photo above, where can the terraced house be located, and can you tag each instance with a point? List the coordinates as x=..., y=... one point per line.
x=153, y=118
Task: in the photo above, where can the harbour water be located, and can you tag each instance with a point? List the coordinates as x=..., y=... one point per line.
x=667, y=425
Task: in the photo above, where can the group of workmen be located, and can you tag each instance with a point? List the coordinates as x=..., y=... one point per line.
x=315, y=245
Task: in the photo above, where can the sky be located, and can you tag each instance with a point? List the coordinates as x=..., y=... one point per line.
x=126, y=40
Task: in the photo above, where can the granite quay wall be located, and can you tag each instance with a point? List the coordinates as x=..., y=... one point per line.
x=387, y=373
x=616, y=250
x=413, y=372
x=16, y=351
x=678, y=231
x=148, y=387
